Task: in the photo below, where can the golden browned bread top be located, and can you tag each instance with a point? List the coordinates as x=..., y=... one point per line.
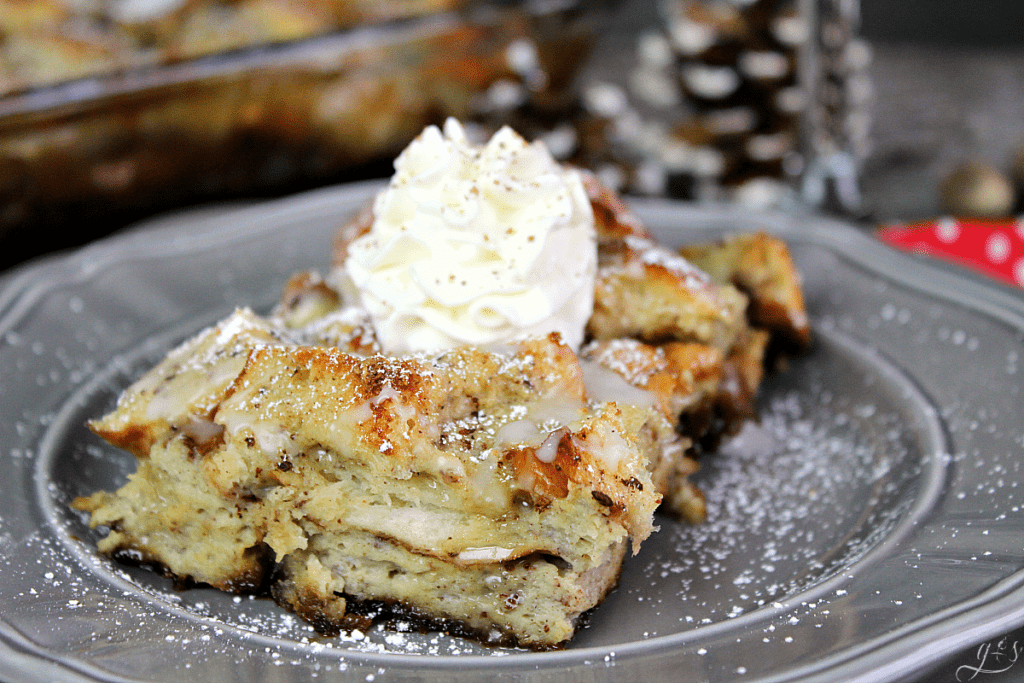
x=444, y=416
x=493, y=430
x=680, y=374
x=762, y=267
x=613, y=219
x=183, y=390
x=646, y=292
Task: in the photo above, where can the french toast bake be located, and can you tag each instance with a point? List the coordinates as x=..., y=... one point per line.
x=475, y=487
x=491, y=490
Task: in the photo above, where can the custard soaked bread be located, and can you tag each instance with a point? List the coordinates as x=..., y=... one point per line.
x=475, y=487
x=398, y=433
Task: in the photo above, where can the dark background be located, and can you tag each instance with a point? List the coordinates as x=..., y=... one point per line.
x=955, y=22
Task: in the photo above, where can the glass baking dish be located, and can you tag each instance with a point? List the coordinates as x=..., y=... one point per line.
x=80, y=158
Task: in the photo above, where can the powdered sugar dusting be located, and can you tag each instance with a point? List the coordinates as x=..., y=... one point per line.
x=652, y=254
x=635, y=361
x=793, y=502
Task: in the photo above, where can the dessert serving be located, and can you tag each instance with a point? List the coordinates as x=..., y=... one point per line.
x=469, y=420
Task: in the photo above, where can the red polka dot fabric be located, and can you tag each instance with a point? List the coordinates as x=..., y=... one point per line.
x=994, y=248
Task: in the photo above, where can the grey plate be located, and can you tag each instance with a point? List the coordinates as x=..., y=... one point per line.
x=870, y=525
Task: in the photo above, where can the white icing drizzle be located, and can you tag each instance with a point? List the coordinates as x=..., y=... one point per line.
x=605, y=385
x=201, y=430
x=548, y=449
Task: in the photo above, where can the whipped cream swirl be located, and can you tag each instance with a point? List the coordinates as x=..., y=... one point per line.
x=476, y=245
